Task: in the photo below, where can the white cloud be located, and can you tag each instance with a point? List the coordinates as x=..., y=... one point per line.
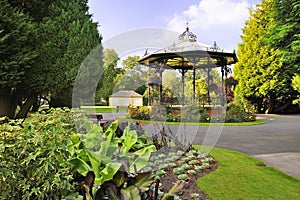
x=214, y=20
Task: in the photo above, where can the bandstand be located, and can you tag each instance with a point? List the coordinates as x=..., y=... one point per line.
x=188, y=54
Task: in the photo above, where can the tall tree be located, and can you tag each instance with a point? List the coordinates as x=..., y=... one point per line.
x=171, y=80
x=107, y=83
x=285, y=36
x=76, y=36
x=259, y=70
x=16, y=55
x=201, y=88
x=64, y=35
x=296, y=86
x=134, y=76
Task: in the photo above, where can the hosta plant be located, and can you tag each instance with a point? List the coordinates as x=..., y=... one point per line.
x=115, y=160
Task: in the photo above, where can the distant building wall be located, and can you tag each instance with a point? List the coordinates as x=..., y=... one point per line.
x=126, y=98
x=125, y=101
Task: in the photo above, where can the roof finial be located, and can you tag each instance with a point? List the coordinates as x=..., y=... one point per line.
x=187, y=35
x=187, y=24
x=215, y=47
x=146, y=52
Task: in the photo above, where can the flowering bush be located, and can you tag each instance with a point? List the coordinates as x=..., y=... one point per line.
x=140, y=113
x=34, y=157
x=191, y=113
x=236, y=113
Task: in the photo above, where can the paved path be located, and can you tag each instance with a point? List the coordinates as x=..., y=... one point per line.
x=277, y=143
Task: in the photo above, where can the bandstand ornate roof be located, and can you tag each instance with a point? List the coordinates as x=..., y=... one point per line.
x=189, y=54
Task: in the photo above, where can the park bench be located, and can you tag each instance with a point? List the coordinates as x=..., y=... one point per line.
x=97, y=118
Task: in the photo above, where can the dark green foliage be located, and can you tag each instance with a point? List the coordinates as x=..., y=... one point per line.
x=68, y=37
x=45, y=45
x=285, y=36
x=16, y=55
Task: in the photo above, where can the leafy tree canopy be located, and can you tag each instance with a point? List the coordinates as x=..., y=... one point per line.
x=265, y=69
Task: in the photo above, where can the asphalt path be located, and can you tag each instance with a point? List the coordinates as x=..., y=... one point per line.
x=277, y=142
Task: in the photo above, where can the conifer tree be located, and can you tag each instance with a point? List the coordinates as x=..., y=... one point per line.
x=259, y=68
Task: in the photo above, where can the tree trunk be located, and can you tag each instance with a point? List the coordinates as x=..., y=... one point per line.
x=25, y=108
x=270, y=102
x=36, y=105
x=8, y=103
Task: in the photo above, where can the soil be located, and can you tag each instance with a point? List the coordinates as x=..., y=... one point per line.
x=169, y=179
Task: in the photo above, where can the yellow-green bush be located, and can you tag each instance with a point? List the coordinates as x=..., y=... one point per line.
x=34, y=157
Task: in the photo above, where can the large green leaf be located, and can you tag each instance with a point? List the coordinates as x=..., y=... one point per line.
x=120, y=178
x=108, y=148
x=93, y=138
x=129, y=138
x=108, y=173
x=144, y=180
x=142, y=159
x=110, y=131
x=142, y=184
x=81, y=166
x=71, y=147
x=131, y=193
x=95, y=162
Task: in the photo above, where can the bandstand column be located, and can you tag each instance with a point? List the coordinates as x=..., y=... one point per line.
x=194, y=84
x=222, y=90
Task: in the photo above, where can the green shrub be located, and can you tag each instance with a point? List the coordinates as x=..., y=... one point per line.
x=34, y=157
x=158, y=113
x=194, y=113
x=191, y=113
x=139, y=113
x=173, y=118
x=236, y=113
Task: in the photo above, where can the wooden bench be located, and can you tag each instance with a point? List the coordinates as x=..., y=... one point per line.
x=97, y=118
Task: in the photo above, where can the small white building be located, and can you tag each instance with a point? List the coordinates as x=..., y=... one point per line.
x=125, y=98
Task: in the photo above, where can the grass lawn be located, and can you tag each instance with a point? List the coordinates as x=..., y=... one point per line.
x=242, y=177
x=257, y=122
x=103, y=109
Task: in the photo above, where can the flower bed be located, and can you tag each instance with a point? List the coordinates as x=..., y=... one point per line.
x=48, y=157
x=191, y=113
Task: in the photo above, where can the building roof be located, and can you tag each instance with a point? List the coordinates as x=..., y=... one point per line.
x=126, y=94
x=189, y=54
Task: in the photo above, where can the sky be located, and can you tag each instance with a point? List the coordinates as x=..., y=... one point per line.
x=211, y=20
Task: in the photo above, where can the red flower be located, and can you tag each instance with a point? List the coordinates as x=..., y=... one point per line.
x=23, y=152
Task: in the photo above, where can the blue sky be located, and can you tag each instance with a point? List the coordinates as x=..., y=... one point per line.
x=210, y=20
